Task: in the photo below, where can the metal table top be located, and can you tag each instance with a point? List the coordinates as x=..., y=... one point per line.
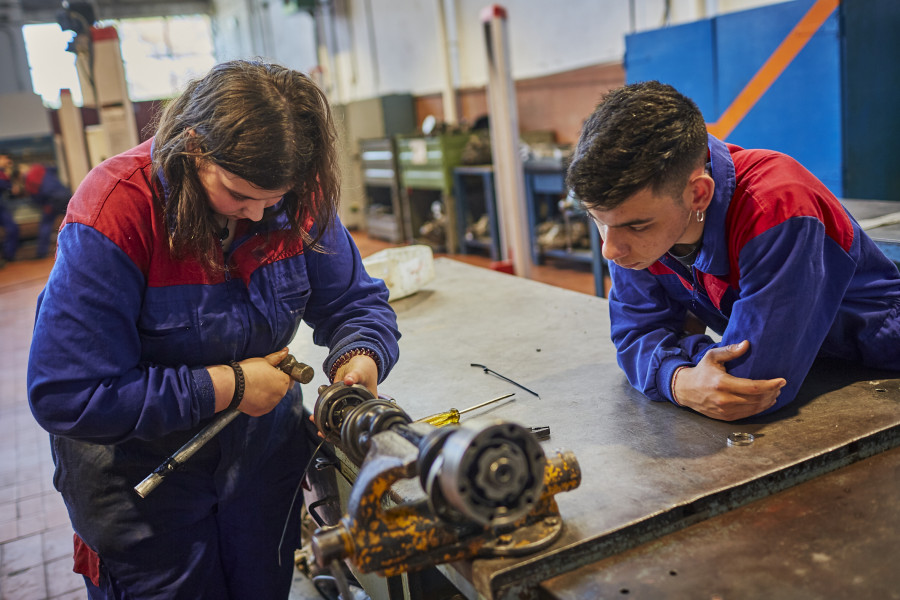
x=832, y=537
x=648, y=468
x=868, y=209
x=886, y=235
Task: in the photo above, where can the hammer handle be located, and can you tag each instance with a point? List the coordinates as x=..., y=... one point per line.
x=185, y=452
x=298, y=371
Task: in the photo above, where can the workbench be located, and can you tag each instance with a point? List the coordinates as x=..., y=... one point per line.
x=667, y=508
x=881, y=220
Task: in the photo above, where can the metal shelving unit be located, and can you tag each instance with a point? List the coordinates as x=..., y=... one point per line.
x=385, y=218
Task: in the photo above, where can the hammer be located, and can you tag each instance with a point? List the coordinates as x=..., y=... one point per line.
x=297, y=371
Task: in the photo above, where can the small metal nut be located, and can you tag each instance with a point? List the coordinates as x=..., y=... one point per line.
x=738, y=438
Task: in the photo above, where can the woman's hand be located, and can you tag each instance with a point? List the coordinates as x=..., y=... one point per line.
x=359, y=369
x=264, y=384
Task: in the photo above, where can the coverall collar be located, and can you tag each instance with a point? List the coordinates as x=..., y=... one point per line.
x=713, y=257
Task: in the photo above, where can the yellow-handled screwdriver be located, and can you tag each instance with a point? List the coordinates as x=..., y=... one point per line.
x=451, y=417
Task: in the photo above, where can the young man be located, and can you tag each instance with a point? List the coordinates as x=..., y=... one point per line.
x=748, y=241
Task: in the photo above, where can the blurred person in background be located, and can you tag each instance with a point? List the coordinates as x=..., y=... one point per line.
x=7, y=222
x=49, y=195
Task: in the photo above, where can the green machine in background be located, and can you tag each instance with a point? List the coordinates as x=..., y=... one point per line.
x=426, y=181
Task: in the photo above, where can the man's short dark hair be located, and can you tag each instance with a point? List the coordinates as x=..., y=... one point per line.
x=641, y=135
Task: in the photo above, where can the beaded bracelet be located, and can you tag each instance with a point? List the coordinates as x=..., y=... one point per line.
x=346, y=356
x=238, y=385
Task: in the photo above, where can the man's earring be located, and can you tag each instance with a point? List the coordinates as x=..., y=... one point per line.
x=700, y=216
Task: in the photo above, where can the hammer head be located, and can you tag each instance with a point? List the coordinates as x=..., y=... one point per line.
x=297, y=371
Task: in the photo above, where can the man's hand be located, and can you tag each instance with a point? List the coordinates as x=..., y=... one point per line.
x=710, y=390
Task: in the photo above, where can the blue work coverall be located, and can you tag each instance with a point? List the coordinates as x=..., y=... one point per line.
x=117, y=374
x=782, y=264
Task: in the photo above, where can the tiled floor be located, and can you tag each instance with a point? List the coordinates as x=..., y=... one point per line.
x=35, y=536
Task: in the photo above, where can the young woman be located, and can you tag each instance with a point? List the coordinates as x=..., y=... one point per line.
x=184, y=267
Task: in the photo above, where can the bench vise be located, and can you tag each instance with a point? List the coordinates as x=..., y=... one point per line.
x=427, y=495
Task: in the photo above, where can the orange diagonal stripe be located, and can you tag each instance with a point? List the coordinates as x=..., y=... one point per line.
x=773, y=67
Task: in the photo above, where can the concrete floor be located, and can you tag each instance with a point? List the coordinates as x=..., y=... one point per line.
x=35, y=535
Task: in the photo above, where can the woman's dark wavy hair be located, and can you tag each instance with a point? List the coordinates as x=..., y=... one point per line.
x=641, y=135
x=267, y=124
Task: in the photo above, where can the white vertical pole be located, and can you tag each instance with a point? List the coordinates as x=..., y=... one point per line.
x=113, y=103
x=449, y=92
x=74, y=147
x=509, y=178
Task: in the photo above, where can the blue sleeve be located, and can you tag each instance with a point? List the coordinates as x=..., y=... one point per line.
x=85, y=376
x=793, y=281
x=647, y=328
x=348, y=309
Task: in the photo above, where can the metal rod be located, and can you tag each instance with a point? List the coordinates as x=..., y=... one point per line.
x=493, y=372
x=498, y=399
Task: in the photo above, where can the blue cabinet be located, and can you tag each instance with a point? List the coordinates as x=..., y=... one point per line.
x=478, y=227
x=545, y=188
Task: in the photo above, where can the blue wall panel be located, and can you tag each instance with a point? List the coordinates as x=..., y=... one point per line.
x=800, y=114
x=713, y=59
x=680, y=56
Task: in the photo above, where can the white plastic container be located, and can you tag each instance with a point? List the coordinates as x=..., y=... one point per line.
x=405, y=269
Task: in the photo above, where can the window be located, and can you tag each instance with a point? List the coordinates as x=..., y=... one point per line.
x=159, y=56
x=52, y=68
x=164, y=54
